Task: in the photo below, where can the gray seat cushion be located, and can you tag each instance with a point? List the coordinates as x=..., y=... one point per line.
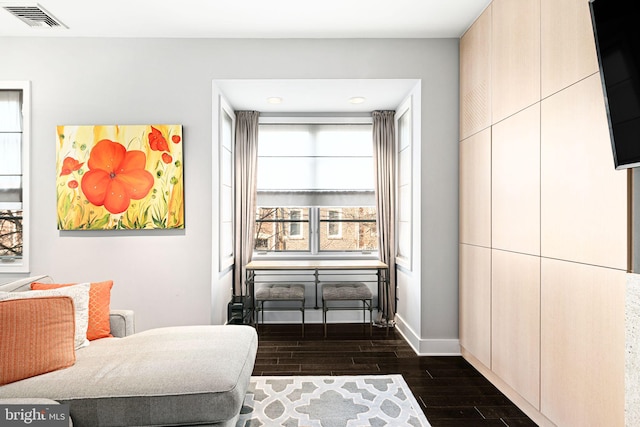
x=277, y=292
x=166, y=376
x=346, y=291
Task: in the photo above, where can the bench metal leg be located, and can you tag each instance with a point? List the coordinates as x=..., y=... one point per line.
x=367, y=304
x=370, y=317
x=302, y=311
x=324, y=317
x=259, y=308
x=364, y=314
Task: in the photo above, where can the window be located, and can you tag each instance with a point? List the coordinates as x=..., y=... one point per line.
x=295, y=227
x=315, y=187
x=14, y=137
x=334, y=226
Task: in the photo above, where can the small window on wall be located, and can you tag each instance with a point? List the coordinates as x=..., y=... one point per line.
x=295, y=224
x=14, y=177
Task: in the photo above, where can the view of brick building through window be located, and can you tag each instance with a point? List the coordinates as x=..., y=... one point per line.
x=10, y=234
x=338, y=229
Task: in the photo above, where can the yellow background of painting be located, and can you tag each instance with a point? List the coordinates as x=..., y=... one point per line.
x=163, y=207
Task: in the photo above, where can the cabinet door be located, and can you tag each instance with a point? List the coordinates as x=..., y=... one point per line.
x=568, y=49
x=475, y=76
x=515, y=322
x=515, y=183
x=475, y=302
x=583, y=198
x=515, y=66
x=582, y=344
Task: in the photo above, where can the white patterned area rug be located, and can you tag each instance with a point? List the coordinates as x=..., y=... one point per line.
x=330, y=401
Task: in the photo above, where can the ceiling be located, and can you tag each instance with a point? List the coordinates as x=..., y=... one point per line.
x=250, y=18
x=264, y=19
x=307, y=96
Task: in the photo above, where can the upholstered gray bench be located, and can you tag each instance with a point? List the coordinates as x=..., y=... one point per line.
x=279, y=292
x=348, y=291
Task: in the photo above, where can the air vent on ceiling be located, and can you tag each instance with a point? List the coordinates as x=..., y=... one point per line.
x=34, y=15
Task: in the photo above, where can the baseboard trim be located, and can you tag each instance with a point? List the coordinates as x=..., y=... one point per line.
x=427, y=347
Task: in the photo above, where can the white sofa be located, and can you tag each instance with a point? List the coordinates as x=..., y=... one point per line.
x=186, y=375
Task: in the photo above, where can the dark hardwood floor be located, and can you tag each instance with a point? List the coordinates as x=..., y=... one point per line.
x=451, y=392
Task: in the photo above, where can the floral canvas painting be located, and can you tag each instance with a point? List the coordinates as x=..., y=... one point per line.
x=119, y=177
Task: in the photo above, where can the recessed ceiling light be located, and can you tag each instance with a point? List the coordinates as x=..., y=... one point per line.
x=356, y=100
x=274, y=100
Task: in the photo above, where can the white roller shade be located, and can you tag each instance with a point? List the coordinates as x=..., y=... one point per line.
x=315, y=165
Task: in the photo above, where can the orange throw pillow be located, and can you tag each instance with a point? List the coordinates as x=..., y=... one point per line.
x=99, y=306
x=36, y=336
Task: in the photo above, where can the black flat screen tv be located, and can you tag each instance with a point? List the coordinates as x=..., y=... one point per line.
x=616, y=26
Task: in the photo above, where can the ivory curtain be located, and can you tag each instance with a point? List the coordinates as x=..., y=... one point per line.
x=246, y=165
x=384, y=158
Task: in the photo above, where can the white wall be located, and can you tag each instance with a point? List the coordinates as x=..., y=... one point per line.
x=166, y=276
x=439, y=198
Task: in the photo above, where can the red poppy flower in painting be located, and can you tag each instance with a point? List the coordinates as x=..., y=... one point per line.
x=166, y=158
x=176, y=139
x=157, y=142
x=115, y=176
x=73, y=184
x=69, y=164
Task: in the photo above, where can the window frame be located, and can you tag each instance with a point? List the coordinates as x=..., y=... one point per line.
x=314, y=220
x=404, y=124
x=22, y=266
x=226, y=185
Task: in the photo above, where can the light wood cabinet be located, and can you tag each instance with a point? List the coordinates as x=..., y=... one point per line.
x=544, y=226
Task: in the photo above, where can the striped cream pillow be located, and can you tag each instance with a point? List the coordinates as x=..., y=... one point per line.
x=36, y=336
x=99, y=306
